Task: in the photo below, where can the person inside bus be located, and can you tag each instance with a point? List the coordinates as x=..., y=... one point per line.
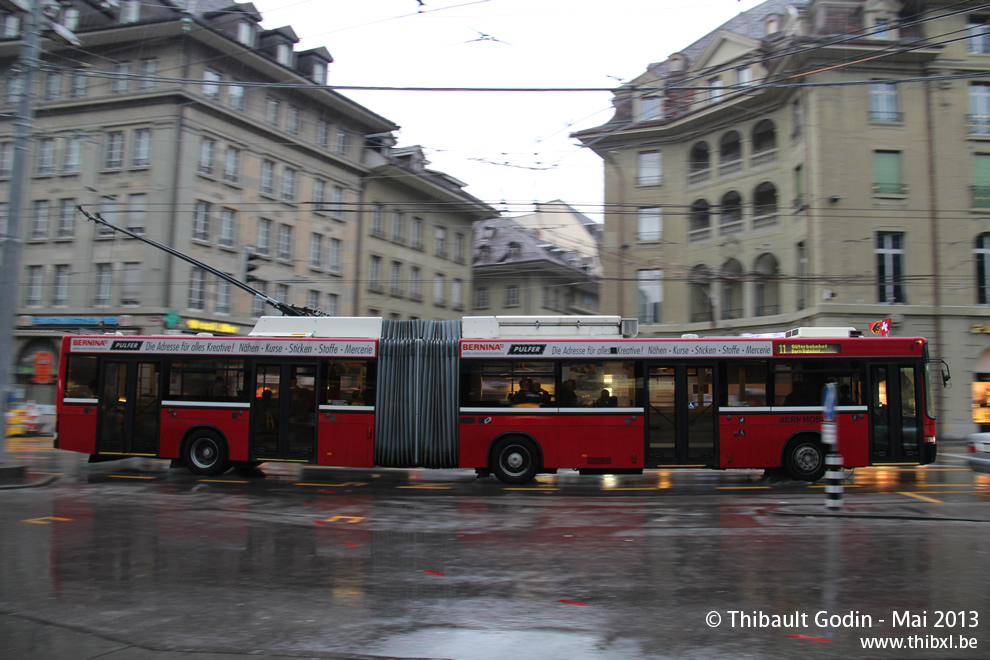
x=266, y=411
x=798, y=395
x=219, y=388
x=531, y=393
x=568, y=394
x=602, y=400
x=845, y=396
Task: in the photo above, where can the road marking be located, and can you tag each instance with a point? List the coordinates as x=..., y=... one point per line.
x=128, y=476
x=645, y=488
x=741, y=487
x=843, y=485
x=922, y=497
x=47, y=520
x=543, y=488
x=225, y=481
x=347, y=519
x=427, y=487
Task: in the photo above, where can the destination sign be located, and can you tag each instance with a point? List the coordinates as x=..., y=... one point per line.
x=673, y=348
x=210, y=346
x=808, y=349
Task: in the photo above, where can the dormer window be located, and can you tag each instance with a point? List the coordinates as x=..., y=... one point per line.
x=130, y=11
x=283, y=54
x=677, y=62
x=11, y=26
x=245, y=33
x=70, y=18
x=772, y=25
x=649, y=108
x=319, y=73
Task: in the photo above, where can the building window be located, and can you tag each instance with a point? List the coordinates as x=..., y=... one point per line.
x=342, y=143
x=398, y=228
x=223, y=297
x=60, y=286
x=115, y=150
x=207, y=150
x=331, y=309
x=264, y=241
x=283, y=54
x=377, y=220
x=888, y=173
x=440, y=241
x=39, y=221
x=211, y=84
x=292, y=120
x=289, y=184
x=414, y=283
x=35, y=283
x=285, y=247
x=11, y=28
x=978, y=32
x=797, y=116
x=235, y=96
x=337, y=201
x=197, y=288
x=104, y=278
x=649, y=170
x=322, y=133
x=245, y=33
x=201, y=222
x=459, y=248
x=981, y=181
x=257, y=304
x=456, y=294
x=417, y=234
x=890, y=267
x=512, y=295
x=319, y=72
x=481, y=297
x=282, y=292
x=232, y=166
x=108, y=209
x=137, y=212
x=149, y=70
x=649, y=108
x=802, y=272
x=313, y=299
x=271, y=110
x=395, y=279
x=77, y=85
x=46, y=156
x=130, y=293
x=319, y=194
x=439, y=289
x=228, y=227
x=315, y=250
x=744, y=76
x=650, y=295
x=141, y=154
x=650, y=224
x=267, y=177
x=375, y=273
x=883, y=102
x=66, y=218
x=716, y=91
x=120, y=83
x=53, y=86
x=981, y=253
x=130, y=11
x=979, y=109
x=333, y=255
x=6, y=158
x=4, y=216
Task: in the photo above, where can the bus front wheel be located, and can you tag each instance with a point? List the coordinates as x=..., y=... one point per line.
x=515, y=460
x=205, y=453
x=805, y=459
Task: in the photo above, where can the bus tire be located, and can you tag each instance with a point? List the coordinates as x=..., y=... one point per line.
x=805, y=459
x=205, y=453
x=515, y=460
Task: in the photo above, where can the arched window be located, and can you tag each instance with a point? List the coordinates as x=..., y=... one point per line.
x=981, y=254
x=699, y=222
x=700, y=294
x=731, y=300
x=729, y=153
x=764, y=143
x=764, y=206
x=730, y=217
x=767, y=274
x=700, y=165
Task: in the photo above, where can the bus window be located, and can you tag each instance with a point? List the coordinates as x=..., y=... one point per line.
x=802, y=382
x=209, y=379
x=496, y=384
x=80, y=380
x=348, y=383
x=744, y=384
x=598, y=383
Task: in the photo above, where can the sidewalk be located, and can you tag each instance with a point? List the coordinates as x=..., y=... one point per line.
x=976, y=512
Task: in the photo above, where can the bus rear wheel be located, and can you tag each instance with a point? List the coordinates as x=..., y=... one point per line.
x=805, y=459
x=515, y=460
x=205, y=453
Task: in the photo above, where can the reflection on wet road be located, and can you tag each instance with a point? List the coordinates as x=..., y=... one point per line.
x=440, y=564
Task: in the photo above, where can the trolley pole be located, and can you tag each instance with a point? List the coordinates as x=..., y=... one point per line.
x=833, y=460
x=11, y=259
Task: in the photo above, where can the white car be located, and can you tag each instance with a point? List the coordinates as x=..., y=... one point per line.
x=979, y=452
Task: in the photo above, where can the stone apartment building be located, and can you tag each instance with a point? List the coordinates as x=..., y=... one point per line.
x=189, y=123
x=816, y=163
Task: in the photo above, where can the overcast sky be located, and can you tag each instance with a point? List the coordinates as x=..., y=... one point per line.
x=511, y=148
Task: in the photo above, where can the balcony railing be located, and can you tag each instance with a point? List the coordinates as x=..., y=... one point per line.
x=727, y=167
x=890, y=188
x=765, y=220
x=887, y=117
x=728, y=314
x=981, y=197
x=730, y=227
x=699, y=235
x=698, y=317
x=766, y=310
x=978, y=124
x=697, y=176
x=765, y=157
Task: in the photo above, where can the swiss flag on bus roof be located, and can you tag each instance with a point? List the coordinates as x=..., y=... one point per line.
x=881, y=328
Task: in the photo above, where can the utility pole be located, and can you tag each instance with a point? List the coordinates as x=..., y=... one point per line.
x=35, y=12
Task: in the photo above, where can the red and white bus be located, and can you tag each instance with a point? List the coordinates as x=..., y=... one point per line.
x=509, y=396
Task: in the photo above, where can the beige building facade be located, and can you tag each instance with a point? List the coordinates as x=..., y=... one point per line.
x=812, y=164
x=190, y=124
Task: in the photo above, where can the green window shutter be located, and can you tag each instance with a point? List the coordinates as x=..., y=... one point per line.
x=888, y=171
x=981, y=181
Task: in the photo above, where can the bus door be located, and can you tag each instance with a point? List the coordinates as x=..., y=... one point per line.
x=128, y=407
x=897, y=435
x=283, y=412
x=681, y=415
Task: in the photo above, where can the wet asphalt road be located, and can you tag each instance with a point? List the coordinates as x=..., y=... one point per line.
x=135, y=560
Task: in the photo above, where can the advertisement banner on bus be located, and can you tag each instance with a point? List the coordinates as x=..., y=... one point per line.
x=474, y=348
x=177, y=345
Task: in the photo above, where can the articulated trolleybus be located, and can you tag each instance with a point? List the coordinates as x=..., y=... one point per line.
x=509, y=396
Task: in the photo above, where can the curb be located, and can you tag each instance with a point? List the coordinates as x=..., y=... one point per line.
x=34, y=484
x=872, y=516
